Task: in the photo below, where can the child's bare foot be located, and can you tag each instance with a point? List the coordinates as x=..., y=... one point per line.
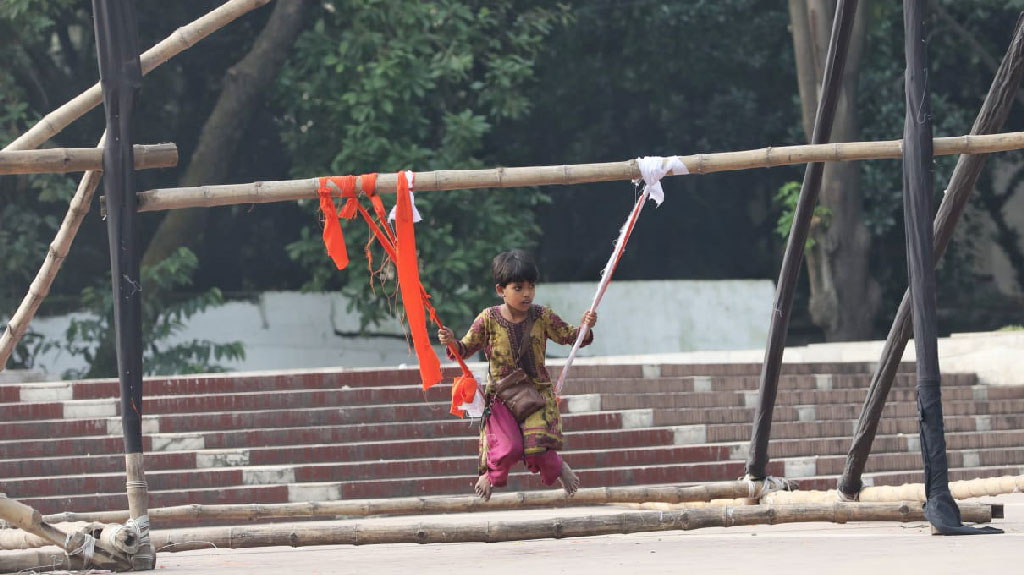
x=569, y=480
x=483, y=488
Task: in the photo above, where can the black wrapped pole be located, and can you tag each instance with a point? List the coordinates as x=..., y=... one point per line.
x=990, y=120
x=835, y=61
x=918, y=182
x=117, y=47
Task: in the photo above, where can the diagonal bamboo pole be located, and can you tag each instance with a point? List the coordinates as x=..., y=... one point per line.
x=59, y=248
x=180, y=40
x=283, y=191
x=63, y=160
x=792, y=259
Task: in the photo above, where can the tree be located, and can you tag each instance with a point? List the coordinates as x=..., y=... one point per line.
x=384, y=86
x=244, y=87
x=844, y=298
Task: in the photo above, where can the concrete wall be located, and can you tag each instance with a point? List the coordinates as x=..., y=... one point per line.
x=286, y=330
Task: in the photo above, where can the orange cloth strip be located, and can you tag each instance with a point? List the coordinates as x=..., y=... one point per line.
x=334, y=240
x=412, y=289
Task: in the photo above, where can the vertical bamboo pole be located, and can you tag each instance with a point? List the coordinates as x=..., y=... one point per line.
x=918, y=183
x=117, y=48
x=842, y=28
x=993, y=115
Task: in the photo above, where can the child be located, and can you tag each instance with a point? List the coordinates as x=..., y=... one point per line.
x=498, y=331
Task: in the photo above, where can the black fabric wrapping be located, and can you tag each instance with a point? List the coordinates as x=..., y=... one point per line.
x=117, y=47
x=835, y=61
x=918, y=181
x=990, y=120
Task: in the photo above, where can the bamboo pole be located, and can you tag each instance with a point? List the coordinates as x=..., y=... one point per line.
x=63, y=160
x=366, y=533
x=282, y=191
x=21, y=539
x=180, y=40
x=428, y=505
x=86, y=550
x=968, y=489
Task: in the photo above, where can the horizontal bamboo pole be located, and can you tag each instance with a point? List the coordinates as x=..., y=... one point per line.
x=425, y=505
x=180, y=40
x=267, y=192
x=366, y=533
x=966, y=489
x=63, y=160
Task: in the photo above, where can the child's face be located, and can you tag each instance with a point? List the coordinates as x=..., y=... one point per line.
x=517, y=295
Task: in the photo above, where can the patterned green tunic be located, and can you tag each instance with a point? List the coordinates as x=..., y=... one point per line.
x=498, y=338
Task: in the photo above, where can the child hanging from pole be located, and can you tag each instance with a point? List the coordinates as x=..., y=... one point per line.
x=514, y=337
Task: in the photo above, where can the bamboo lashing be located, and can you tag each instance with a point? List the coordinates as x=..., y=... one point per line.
x=63, y=160
x=366, y=533
x=282, y=191
x=180, y=40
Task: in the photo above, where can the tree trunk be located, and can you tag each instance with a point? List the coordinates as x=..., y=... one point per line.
x=244, y=86
x=844, y=297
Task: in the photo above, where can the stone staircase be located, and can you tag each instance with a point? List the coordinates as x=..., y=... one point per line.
x=326, y=435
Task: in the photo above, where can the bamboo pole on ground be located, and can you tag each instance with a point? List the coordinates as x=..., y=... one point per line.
x=86, y=550
x=366, y=533
x=63, y=160
x=968, y=489
x=426, y=505
x=180, y=40
x=11, y=538
x=282, y=191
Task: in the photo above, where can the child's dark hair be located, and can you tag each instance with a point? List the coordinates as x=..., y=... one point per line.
x=514, y=266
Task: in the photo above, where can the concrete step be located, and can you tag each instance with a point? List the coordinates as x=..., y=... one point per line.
x=835, y=412
x=649, y=377
x=254, y=429
x=641, y=399
x=193, y=456
x=436, y=398
x=822, y=382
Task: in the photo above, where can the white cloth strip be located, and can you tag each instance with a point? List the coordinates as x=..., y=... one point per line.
x=654, y=168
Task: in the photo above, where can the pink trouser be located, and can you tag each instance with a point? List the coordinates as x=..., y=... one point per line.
x=548, y=464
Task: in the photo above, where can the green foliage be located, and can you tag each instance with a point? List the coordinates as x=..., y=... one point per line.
x=786, y=200
x=1013, y=327
x=163, y=319
x=384, y=86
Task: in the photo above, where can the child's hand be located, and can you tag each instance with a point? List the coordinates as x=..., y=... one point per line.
x=589, y=318
x=445, y=336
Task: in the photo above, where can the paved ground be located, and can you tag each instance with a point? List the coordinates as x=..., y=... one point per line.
x=860, y=548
